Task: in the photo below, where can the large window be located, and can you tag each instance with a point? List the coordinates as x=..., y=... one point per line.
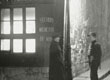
x=5, y=21
x=18, y=21
x=30, y=20
x=16, y=26
x=30, y=45
x=5, y=44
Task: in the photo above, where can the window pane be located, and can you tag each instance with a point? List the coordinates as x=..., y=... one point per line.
x=5, y=14
x=18, y=27
x=17, y=46
x=5, y=27
x=30, y=26
x=30, y=45
x=30, y=13
x=17, y=14
x=5, y=44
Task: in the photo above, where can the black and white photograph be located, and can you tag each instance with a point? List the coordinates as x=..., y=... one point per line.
x=54, y=39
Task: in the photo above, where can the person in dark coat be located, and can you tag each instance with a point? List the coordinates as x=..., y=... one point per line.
x=56, y=64
x=94, y=57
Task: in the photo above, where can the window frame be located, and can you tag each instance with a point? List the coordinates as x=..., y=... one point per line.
x=23, y=36
x=10, y=59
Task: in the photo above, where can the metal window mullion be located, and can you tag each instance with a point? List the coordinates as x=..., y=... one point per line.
x=24, y=29
x=36, y=29
x=11, y=29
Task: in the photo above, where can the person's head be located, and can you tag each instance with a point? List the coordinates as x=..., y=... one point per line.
x=92, y=36
x=56, y=38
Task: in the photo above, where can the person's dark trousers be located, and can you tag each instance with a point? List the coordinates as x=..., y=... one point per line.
x=94, y=70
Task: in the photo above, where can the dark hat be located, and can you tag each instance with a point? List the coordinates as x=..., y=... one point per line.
x=56, y=35
x=92, y=34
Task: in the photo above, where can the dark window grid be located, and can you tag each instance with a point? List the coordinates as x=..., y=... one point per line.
x=24, y=20
x=5, y=20
x=30, y=19
x=0, y=26
x=24, y=29
x=24, y=26
x=24, y=43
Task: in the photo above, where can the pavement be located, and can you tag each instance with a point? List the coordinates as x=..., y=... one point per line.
x=103, y=73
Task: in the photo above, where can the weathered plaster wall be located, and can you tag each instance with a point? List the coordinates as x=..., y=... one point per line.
x=108, y=18
x=88, y=16
x=97, y=15
x=78, y=33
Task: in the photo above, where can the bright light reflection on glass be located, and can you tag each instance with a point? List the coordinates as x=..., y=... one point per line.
x=18, y=27
x=17, y=14
x=5, y=45
x=30, y=13
x=5, y=14
x=5, y=27
x=30, y=26
x=17, y=45
x=30, y=46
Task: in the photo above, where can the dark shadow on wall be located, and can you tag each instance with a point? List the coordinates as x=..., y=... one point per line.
x=105, y=75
